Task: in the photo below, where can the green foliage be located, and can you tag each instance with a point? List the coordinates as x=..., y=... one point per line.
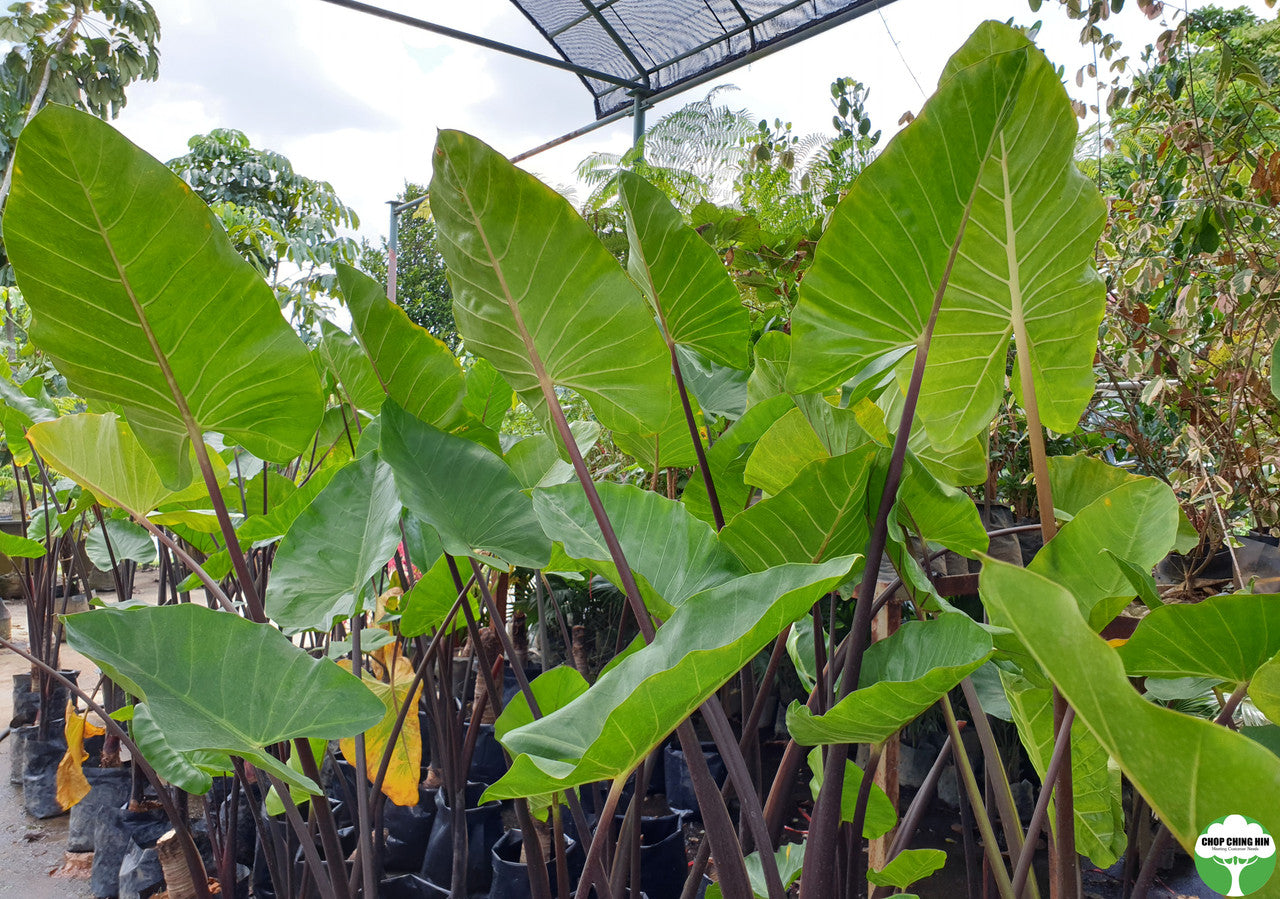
x=1191, y=771
x=286, y=224
x=81, y=53
x=203, y=349
x=608, y=731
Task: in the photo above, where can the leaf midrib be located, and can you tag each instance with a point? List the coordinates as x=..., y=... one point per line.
x=162, y=360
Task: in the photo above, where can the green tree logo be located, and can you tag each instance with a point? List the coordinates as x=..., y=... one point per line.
x=1235, y=855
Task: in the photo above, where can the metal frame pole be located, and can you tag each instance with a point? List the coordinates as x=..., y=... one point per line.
x=393, y=245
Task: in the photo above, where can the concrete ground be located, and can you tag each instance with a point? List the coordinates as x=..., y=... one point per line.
x=31, y=851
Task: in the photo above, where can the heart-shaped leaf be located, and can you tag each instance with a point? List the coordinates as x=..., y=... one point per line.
x=672, y=554
x=464, y=491
x=356, y=518
x=140, y=299
x=979, y=197
x=1191, y=771
x=215, y=681
x=1223, y=637
x=901, y=677
x=538, y=295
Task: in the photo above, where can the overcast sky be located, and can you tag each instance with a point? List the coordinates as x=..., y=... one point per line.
x=356, y=100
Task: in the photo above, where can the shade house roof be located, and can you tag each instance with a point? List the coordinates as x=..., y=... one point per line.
x=652, y=47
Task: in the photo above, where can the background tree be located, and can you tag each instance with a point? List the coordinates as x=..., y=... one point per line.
x=288, y=225
x=81, y=53
x=422, y=289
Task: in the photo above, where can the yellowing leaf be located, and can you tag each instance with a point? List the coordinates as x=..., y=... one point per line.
x=401, y=782
x=72, y=784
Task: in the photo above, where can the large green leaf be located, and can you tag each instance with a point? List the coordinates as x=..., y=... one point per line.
x=552, y=690
x=728, y=458
x=356, y=521
x=190, y=771
x=464, y=491
x=695, y=300
x=538, y=295
x=719, y=390
x=427, y=604
x=1191, y=771
x=140, y=299
x=1080, y=480
x=901, y=677
x=880, y=815
x=987, y=172
x=101, y=454
x=415, y=368
x=1224, y=637
x=939, y=512
x=349, y=364
x=128, y=541
x=783, y=452
x=822, y=513
x=1136, y=522
x=16, y=547
x=611, y=728
x=215, y=681
x=672, y=554
x=536, y=459
x=1095, y=783
x=907, y=867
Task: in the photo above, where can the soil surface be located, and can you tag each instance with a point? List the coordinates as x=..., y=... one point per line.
x=33, y=851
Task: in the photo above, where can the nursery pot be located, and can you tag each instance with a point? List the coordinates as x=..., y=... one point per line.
x=40, y=760
x=663, y=861
x=680, y=795
x=408, y=828
x=20, y=735
x=26, y=700
x=511, y=686
x=410, y=886
x=112, y=835
x=108, y=790
x=488, y=762
x=484, y=827
x=511, y=876
x=140, y=872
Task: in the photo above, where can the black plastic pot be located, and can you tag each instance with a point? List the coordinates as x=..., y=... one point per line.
x=410, y=886
x=40, y=760
x=488, y=762
x=26, y=700
x=140, y=873
x=679, y=782
x=108, y=790
x=112, y=834
x=511, y=876
x=408, y=828
x=19, y=752
x=511, y=686
x=484, y=828
x=26, y=704
x=663, y=861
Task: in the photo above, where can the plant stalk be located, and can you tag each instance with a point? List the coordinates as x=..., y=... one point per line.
x=989, y=845
x=999, y=781
x=199, y=878
x=1028, y=851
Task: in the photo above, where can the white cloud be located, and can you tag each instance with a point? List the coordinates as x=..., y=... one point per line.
x=357, y=100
